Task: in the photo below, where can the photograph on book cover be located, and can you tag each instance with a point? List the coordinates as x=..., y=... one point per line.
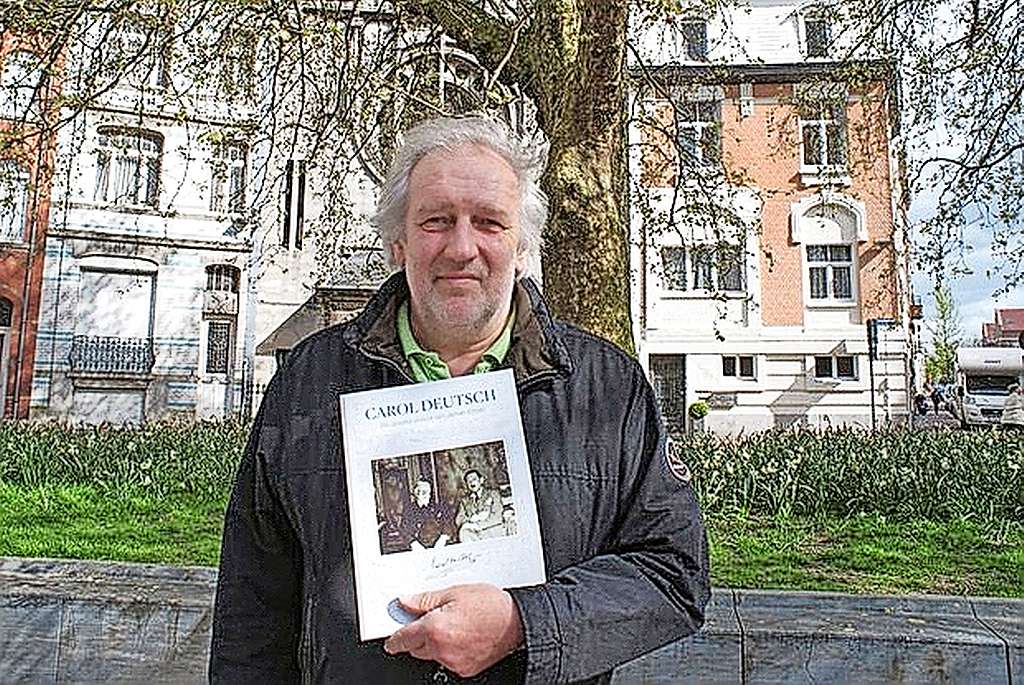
x=443, y=498
x=439, y=490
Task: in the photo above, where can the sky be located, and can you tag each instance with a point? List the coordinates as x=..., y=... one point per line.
x=973, y=293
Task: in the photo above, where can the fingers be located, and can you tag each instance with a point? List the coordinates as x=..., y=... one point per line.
x=423, y=602
x=412, y=639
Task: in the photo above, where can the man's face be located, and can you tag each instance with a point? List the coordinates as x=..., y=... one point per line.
x=422, y=493
x=474, y=482
x=460, y=249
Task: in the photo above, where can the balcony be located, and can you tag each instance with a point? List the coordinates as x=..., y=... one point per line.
x=104, y=354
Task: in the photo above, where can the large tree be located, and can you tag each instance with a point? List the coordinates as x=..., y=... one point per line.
x=344, y=89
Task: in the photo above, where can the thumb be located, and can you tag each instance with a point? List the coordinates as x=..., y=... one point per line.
x=423, y=602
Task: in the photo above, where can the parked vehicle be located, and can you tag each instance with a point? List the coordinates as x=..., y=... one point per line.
x=983, y=378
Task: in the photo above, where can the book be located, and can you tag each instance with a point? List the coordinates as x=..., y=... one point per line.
x=440, y=492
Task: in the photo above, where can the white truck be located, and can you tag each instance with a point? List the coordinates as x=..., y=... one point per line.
x=983, y=376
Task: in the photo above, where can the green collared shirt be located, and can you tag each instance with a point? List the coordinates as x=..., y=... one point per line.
x=428, y=366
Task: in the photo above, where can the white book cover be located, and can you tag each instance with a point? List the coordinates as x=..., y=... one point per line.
x=439, y=492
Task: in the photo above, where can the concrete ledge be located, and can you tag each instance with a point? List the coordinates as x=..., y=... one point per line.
x=85, y=622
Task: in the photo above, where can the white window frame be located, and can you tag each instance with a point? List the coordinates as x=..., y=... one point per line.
x=695, y=39
x=21, y=82
x=228, y=163
x=834, y=368
x=14, y=197
x=207, y=329
x=830, y=267
x=118, y=149
x=711, y=270
x=805, y=33
x=830, y=125
x=686, y=269
x=695, y=120
x=738, y=367
x=134, y=63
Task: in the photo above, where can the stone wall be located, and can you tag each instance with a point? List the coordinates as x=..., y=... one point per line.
x=85, y=622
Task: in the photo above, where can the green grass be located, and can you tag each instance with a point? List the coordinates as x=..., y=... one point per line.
x=80, y=522
x=868, y=554
x=862, y=554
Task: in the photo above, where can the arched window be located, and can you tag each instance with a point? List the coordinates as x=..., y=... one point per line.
x=829, y=231
x=20, y=81
x=13, y=202
x=222, y=277
x=6, y=312
x=128, y=167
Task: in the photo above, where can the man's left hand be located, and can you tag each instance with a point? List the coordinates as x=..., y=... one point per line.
x=465, y=628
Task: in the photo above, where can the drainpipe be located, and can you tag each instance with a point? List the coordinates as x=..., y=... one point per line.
x=27, y=282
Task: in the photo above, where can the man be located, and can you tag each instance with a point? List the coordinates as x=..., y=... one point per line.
x=426, y=522
x=624, y=547
x=479, y=515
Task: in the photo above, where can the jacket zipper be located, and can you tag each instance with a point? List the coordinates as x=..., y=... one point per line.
x=306, y=647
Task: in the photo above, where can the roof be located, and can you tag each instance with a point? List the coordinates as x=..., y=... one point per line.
x=1010, y=319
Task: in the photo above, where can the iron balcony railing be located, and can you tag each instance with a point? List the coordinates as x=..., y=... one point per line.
x=111, y=354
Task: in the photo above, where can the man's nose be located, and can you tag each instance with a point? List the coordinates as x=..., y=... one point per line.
x=461, y=246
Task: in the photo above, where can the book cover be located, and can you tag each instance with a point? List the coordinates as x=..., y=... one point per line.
x=439, y=491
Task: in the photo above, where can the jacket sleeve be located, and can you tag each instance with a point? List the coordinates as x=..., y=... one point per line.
x=649, y=585
x=257, y=612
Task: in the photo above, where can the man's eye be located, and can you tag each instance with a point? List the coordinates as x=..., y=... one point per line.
x=436, y=223
x=488, y=223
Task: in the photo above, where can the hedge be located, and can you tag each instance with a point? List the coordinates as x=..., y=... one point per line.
x=906, y=475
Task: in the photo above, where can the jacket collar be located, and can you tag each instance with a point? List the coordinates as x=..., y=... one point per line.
x=536, y=346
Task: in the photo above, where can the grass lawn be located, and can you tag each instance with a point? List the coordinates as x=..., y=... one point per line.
x=79, y=522
x=866, y=554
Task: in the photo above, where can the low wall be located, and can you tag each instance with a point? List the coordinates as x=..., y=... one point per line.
x=84, y=622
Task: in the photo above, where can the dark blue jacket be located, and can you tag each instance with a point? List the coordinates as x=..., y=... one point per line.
x=624, y=545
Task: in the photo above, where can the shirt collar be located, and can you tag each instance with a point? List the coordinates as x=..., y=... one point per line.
x=427, y=365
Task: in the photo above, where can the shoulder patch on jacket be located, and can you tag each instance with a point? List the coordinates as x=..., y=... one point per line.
x=675, y=462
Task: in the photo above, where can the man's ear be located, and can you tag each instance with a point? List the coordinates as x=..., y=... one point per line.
x=520, y=262
x=398, y=253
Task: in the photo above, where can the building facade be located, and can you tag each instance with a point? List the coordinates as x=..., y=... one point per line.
x=148, y=248
x=771, y=264
x=26, y=163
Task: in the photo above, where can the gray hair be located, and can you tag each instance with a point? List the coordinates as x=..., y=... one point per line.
x=527, y=160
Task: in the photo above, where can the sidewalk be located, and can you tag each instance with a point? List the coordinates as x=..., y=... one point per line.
x=78, y=621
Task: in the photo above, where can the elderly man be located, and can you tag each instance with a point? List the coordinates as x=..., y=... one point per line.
x=624, y=547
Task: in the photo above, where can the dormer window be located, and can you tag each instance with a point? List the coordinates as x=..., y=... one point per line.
x=695, y=35
x=817, y=36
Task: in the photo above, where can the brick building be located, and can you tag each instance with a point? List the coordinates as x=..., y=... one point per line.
x=26, y=162
x=769, y=231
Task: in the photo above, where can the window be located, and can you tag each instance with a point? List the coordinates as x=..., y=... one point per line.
x=222, y=277
x=823, y=134
x=218, y=346
x=816, y=36
x=717, y=268
x=13, y=202
x=142, y=54
x=128, y=167
x=697, y=131
x=668, y=376
x=20, y=83
x=842, y=366
x=673, y=264
x=237, y=64
x=294, y=202
x=227, y=177
x=695, y=35
x=741, y=366
x=6, y=312
x=830, y=272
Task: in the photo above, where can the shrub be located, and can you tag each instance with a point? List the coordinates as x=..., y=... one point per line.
x=936, y=475
x=163, y=458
